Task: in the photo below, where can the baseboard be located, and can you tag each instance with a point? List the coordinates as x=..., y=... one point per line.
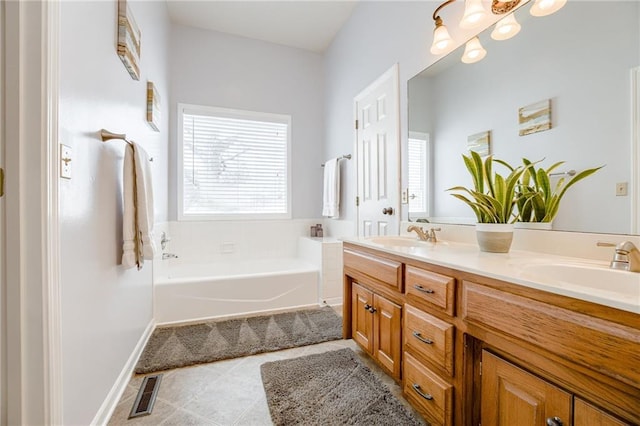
x=110, y=403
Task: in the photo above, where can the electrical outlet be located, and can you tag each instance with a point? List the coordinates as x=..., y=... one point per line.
x=405, y=196
x=621, y=189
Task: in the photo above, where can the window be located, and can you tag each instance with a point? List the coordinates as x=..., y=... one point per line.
x=418, y=159
x=232, y=164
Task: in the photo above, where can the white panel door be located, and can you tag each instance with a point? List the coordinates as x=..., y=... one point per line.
x=378, y=156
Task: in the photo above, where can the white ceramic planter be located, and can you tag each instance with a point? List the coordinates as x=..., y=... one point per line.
x=494, y=237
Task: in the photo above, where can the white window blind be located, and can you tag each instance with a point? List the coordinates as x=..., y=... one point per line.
x=233, y=164
x=418, y=158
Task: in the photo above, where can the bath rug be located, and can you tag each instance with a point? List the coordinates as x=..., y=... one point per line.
x=179, y=346
x=331, y=388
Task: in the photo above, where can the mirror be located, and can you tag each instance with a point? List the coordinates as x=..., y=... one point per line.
x=582, y=59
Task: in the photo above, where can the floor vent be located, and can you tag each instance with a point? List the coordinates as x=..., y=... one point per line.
x=146, y=396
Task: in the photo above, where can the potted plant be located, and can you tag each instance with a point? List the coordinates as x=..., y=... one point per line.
x=493, y=199
x=540, y=200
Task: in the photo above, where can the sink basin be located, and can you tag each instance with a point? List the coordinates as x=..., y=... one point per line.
x=586, y=278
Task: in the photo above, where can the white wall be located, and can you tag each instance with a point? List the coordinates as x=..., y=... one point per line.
x=105, y=308
x=211, y=68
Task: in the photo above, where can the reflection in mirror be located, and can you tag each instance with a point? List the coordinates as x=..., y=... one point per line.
x=582, y=59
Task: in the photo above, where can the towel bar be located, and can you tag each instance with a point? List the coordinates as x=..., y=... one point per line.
x=106, y=135
x=343, y=157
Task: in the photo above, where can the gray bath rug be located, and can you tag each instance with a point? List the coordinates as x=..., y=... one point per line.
x=331, y=388
x=179, y=346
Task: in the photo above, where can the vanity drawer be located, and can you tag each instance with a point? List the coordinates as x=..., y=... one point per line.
x=604, y=346
x=387, y=271
x=429, y=338
x=436, y=289
x=427, y=392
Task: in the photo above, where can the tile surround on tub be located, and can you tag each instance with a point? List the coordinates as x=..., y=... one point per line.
x=219, y=241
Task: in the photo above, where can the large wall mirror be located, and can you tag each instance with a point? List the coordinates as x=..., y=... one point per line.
x=583, y=59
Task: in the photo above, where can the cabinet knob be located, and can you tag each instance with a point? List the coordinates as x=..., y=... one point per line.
x=367, y=307
x=372, y=309
x=554, y=421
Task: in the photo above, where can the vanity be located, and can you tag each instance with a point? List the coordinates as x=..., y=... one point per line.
x=476, y=338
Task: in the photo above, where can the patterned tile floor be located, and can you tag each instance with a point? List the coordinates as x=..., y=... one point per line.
x=223, y=393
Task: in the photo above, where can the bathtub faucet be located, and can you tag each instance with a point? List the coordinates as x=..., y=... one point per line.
x=166, y=256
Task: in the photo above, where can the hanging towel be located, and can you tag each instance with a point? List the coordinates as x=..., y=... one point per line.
x=331, y=193
x=137, y=223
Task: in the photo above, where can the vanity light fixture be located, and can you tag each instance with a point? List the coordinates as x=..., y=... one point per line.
x=506, y=28
x=546, y=7
x=474, y=14
x=473, y=51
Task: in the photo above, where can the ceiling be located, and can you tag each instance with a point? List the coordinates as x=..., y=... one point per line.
x=304, y=24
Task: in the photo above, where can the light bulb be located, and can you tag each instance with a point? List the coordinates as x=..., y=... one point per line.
x=473, y=51
x=474, y=13
x=546, y=7
x=441, y=38
x=506, y=28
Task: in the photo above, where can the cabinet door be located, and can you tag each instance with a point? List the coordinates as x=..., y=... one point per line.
x=586, y=414
x=361, y=317
x=388, y=334
x=513, y=397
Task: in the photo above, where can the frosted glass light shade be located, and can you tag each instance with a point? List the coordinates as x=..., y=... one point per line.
x=506, y=28
x=474, y=14
x=546, y=7
x=441, y=40
x=473, y=51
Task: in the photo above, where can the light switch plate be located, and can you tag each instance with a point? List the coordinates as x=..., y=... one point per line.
x=66, y=156
x=405, y=196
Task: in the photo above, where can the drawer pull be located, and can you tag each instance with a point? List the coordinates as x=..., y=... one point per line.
x=416, y=387
x=422, y=339
x=422, y=289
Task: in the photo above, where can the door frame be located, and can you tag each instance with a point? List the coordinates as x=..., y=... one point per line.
x=33, y=301
x=635, y=151
x=394, y=74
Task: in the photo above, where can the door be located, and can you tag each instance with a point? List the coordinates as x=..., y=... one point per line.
x=513, y=397
x=378, y=156
x=362, y=320
x=387, y=326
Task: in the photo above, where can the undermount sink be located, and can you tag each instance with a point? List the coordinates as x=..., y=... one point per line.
x=592, y=278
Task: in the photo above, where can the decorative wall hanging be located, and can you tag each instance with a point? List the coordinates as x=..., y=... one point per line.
x=153, y=106
x=535, y=117
x=128, y=40
x=480, y=143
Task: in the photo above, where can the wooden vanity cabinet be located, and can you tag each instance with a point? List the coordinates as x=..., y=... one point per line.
x=373, y=318
x=475, y=350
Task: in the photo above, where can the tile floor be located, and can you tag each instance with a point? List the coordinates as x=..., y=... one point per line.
x=223, y=393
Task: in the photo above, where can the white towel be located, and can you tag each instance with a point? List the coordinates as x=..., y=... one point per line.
x=331, y=192
x=137, y=222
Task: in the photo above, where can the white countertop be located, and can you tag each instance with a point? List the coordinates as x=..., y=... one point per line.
x=619, y=289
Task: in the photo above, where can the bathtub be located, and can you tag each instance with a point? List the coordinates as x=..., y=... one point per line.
x=191, y=292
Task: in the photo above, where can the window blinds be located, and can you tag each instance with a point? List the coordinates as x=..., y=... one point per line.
x=417, y=157
x=234, y=164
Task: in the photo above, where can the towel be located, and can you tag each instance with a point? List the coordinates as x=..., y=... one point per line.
x=331, y=192
x=137, y=223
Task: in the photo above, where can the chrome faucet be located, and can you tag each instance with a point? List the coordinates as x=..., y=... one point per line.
x=626, y=256
x=429, y=235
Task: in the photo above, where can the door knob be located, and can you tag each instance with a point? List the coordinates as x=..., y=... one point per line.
x=554, y=421
x=387, y=210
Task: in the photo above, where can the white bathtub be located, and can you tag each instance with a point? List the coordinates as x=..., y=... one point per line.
x=192, y=292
